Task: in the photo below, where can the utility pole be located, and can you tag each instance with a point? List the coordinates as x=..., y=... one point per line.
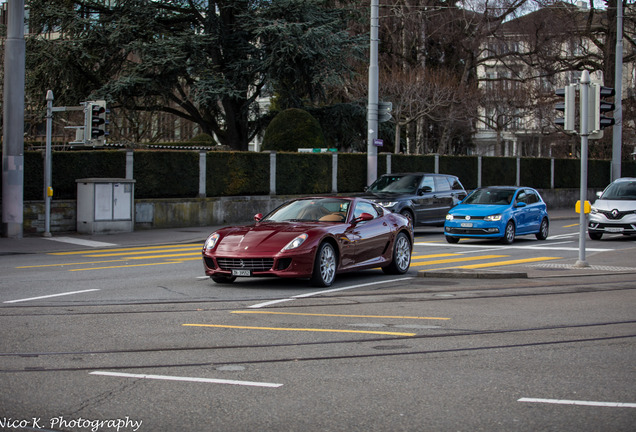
x=372, y=109
x=617, y=133
x=13, y=117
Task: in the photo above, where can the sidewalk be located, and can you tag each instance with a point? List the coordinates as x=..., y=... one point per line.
x=64, y=242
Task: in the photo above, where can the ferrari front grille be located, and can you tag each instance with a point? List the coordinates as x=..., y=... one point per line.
x=254, y=264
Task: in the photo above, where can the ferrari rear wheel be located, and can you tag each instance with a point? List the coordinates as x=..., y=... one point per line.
x=401, y=256
x=324, y=266
x=223, y=279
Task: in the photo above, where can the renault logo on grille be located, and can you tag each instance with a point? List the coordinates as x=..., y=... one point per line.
x=614, y=213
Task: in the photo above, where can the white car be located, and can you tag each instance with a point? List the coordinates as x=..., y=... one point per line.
x=615, y=210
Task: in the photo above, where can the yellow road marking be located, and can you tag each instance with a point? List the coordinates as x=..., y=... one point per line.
x=462, y=259
x=300, y=329
x=190, y=245
x=198, y=249
x=502, y=263
x=570, y=226
x=69, y=264
x=435, y=255
x=125, y=266
x=197, y=254
x=338, y=315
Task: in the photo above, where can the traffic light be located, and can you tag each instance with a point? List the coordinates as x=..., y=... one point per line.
x=597, y=107
x=567, y=106
x=384, y=111
x=97, y=122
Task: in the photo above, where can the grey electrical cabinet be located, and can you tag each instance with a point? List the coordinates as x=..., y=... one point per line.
x=105, y=205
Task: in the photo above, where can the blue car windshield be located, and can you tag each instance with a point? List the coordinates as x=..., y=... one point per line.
x=620, y=191
x=407, y=183
x=490, y=196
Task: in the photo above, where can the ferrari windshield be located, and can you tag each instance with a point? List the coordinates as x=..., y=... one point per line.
x=620, y=190
x=406, y=183
x=316, y=209
x=494, y=196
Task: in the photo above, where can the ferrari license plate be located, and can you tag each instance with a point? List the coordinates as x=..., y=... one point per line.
x=467, y=224
x=236, y=272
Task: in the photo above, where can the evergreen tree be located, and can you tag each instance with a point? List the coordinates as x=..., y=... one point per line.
x=207, y=61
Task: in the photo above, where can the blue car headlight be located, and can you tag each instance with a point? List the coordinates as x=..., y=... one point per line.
x=449, y=217
x=493, y=218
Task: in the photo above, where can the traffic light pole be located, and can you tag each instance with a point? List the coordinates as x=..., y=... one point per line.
x=372, y=109
x=48, y=191
x=584, y=88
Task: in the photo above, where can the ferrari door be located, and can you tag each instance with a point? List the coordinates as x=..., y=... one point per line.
x=373, y=235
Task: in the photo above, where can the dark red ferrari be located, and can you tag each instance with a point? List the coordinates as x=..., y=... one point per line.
x=313, y=238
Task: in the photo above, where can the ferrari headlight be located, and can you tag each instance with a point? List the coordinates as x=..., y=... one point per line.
x=296, y=242
x=211, y=241
x=493, y=218
x=449, y=217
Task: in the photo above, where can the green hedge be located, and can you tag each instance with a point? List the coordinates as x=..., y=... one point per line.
x=567, y=173
x=175, y=174
x=352, y=171
x=536, y=172
x=628, y=169
x=237, y=173
x=66, y=167
x=498, y=171
x=166, y=174
x=416, y=163
x=465, y=168
x=303, y=173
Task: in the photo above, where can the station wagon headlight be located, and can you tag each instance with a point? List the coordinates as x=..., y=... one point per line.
x=296, y=242
x=449, y=217
x=211, y=241
x=493, y=218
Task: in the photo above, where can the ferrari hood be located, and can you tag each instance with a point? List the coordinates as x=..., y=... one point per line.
x=267, y=238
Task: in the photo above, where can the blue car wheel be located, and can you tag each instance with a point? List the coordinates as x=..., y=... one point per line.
x=509, y=233
x=543, y=230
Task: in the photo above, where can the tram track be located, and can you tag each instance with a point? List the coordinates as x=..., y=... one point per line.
x=517, y=289
x=357, y=341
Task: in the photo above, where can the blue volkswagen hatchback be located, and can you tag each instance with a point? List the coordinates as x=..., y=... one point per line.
x=498, y=212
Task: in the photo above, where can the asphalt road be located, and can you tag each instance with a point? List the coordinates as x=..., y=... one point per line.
x=475, y=337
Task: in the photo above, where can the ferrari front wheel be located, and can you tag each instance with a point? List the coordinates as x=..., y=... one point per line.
x=324, y=266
